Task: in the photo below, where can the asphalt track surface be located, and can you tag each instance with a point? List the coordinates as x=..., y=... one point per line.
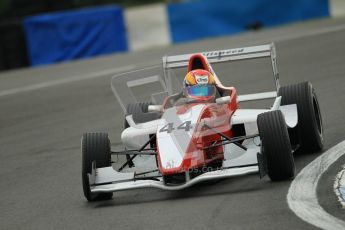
x=44, y=111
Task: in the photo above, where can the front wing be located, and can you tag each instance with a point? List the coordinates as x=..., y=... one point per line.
x=108, y=180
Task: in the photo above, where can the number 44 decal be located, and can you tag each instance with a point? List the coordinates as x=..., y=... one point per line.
x=186, y=126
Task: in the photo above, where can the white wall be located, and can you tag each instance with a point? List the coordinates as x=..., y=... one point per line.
x=337, y=8
x=147, y=26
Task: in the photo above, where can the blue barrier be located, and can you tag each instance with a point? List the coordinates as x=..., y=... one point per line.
x=209, y=18
x=75, y=34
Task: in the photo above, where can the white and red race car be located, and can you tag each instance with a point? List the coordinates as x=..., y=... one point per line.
x=172, y=142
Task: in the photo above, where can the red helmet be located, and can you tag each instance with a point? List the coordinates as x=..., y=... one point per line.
x=199, y=84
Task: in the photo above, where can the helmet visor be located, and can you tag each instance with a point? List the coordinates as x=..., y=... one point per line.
x=201, y=90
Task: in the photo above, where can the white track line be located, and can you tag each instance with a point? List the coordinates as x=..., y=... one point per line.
x=339, y=183
x=103, y=73
x=302, y=197
x=42, y=85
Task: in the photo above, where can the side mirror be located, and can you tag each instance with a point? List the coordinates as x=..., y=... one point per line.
x=155, y=108
x=223, y=100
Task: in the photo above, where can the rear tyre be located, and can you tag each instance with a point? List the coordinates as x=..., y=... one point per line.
x=309, y=130
x=275, y=145
x=137, y=110
x=140, y=113
x=95, y=147
x=139, y=107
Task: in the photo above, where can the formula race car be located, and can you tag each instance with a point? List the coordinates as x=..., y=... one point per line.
x=172, y=142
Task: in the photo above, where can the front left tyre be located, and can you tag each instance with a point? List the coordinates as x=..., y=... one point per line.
x=95, y=148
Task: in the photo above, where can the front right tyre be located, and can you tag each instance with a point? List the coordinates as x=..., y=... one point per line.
x=275, y=145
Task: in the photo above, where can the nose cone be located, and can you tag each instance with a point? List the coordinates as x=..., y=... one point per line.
x=175, y=136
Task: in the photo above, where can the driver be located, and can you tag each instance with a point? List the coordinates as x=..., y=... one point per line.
x=199, y=85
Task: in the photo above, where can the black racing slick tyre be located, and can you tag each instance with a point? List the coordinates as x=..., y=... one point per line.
x=136, y=109
x=140, y=113
x=95, y=148
x=140, y=107
x=275, y=145
x=309, y=131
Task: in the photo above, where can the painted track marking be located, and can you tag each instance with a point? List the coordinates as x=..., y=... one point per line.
x=106, y=72
x=339, y=186
x=302, y=198
x=71, y=79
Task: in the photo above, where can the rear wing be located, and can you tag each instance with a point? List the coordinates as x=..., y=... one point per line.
x=252, y=52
